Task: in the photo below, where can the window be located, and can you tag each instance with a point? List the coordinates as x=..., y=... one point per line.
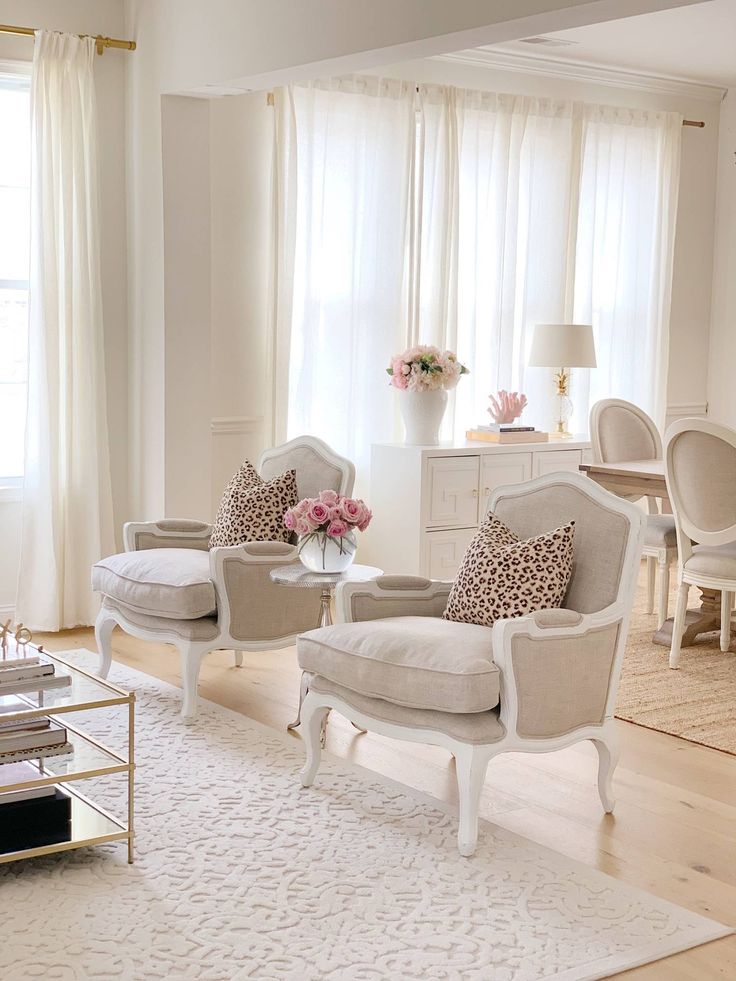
x=14, y=261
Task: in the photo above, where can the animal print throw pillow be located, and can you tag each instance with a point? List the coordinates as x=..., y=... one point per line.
x=252, y=509
x=501, y=576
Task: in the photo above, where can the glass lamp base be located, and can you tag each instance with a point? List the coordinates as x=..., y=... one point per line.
x=563, y=414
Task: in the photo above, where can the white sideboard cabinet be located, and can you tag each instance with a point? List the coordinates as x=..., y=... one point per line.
x=427, y=501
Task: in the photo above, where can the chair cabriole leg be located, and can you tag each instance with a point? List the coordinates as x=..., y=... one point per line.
x=608, y=753
x=191, y=662
x=471, y=764
x=679, y=624
x=104, y=626
x=313, y=716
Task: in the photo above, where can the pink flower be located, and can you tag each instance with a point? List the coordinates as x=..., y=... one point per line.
x=337, y=528
x=365, y=516
x=318, y=512
x=329, y=497
x=302, y=507
x=302, y=527
x=290, y=520
x=350, y=510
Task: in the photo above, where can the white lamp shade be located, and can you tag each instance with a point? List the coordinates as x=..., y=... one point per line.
x=562, y=346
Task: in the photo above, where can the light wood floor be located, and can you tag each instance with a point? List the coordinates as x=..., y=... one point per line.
x=673, y=833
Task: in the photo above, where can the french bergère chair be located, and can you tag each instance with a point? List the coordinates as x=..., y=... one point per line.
x=170, y=587
x=700, y=468
x=533, y=684
x=620, y=431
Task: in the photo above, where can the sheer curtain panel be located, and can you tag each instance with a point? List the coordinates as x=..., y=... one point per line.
x=67, y=511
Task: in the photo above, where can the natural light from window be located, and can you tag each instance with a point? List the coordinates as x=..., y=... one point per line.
x=14, y=259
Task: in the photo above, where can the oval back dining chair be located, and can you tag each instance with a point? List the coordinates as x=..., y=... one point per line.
x=621, y=431
x=700, y=468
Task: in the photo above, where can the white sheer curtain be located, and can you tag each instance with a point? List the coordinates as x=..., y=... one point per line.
x=344, y=154
x=67, y=511
x=462, y=218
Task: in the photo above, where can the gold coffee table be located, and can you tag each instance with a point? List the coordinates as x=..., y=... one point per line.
x=83, y=756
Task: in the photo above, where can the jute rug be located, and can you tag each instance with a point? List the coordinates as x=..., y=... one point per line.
x=241, y=874
x=697, y=702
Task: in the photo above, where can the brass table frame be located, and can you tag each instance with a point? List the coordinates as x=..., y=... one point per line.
x=123, y=830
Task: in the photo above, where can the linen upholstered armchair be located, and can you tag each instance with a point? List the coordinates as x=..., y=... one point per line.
x=169, y=586
x=535, y=684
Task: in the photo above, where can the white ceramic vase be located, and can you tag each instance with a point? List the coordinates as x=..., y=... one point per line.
x=422, y=413
x=321, y=553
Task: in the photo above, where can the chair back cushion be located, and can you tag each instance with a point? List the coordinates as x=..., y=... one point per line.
x=317, y=466
x=622, y=431
x=501, y=576
x=701, y=477
x=173, y=583
x=601, y=533
x=252, y=509
x=418, y=662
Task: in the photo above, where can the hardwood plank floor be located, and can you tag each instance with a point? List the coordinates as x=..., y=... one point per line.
x=673, y=833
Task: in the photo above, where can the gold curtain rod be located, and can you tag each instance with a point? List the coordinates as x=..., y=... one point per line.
x=686, y=122
x=101, y=42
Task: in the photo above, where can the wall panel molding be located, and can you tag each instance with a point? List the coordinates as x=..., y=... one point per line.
x=681, y=410
x=236, y=425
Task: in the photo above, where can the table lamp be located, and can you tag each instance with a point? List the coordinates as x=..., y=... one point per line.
x=555, y=345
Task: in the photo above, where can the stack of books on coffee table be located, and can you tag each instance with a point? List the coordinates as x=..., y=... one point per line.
x=19, y=674
x=501, y=432
x=33, y=816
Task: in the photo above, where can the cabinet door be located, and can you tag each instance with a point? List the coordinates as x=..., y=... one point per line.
x=452, y=491
x=552, y=461
x=444, y=551
x=503, y=468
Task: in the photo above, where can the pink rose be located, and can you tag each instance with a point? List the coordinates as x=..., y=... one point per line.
x=318, y=512
x=329, y=497
x=302, y=507
x=302, y=527
x=290, y=520
x=365, y=516
x=337, y=528
x=351, y=510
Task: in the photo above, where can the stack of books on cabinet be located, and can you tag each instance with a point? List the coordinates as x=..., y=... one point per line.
x=32, y=816
x=500, y=432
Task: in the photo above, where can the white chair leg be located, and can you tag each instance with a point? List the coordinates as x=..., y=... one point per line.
x=664, y=591
x=608, y=753
x=471, y=765
x=651, y=577
x=104, y=626
x=238, y=658
x=313, y=716
x=726, y=600
x=191, y=661
x=679, y=625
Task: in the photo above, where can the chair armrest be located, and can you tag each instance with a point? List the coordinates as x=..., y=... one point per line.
x=559, y=670
x=391, y=596
x=166, y=533
x=251, y=608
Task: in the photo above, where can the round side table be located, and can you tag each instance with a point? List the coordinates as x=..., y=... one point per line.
x=298, y=575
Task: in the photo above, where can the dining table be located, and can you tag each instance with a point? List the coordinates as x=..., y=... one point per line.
x=645, y=478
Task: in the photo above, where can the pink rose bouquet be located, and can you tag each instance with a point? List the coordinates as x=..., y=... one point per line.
x=330, y=515
x=424, y=368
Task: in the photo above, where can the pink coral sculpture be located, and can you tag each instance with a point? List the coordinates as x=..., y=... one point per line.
x=506, y=406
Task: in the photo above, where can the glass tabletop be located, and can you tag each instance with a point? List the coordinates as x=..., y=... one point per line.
x=298, y=575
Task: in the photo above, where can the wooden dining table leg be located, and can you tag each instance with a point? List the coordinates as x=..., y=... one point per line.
x=698, y=620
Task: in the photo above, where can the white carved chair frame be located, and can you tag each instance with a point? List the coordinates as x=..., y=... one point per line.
x=194, y=639
x=541, y=628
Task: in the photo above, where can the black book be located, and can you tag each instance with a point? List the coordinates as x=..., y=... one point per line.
x=34, y=823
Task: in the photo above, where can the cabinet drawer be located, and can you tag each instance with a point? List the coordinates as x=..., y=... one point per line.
x=553, y=461
x=444, y=551
x=498, y=469
x=452, y=491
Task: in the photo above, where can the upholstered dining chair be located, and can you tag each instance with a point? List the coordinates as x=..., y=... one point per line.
x=700, y=469
x=620, y=431
x=534, y=684
x=169, y=586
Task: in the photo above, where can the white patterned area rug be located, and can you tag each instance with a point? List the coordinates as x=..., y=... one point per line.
x=242, y=874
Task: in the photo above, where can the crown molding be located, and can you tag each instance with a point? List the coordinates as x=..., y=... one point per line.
x=235, y=425
x=584, y=72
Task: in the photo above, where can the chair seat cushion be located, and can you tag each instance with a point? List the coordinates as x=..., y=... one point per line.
x=660, y=531
x=713, y=560
x=173, y=583
x=418, y=662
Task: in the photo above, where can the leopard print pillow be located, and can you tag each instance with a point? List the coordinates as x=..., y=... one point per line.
x=252, y=509
x=501, y=576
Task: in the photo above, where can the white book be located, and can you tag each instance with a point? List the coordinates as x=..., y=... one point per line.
x=8, y=675
x=42, y=723
x=35, y=684
x=18, y=662
x=18, y=773
x=26, y=739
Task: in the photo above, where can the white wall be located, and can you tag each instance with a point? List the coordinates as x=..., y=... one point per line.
x=721, y=396
x=95, y=17
x=693, y=260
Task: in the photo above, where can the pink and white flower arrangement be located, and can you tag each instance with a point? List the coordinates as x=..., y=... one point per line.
x=330, y=515
x=425, y=368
